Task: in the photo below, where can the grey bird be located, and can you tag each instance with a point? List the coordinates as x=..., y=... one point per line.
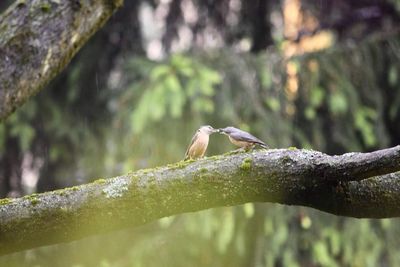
x=199, y=143
x=241, y=138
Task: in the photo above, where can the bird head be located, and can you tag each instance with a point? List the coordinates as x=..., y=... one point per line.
x=207, y=129
x=226, y=130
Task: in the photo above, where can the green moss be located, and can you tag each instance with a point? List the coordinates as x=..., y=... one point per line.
x=62, y=192
x=215, y=157
x=152, y=185
x=63, y=210
x=21, y=3
x=203, y=170
x=30, y=196
x=292, y=148
x=246, y=164
x=74, y=188
x=45, y=7
x=151, y=179
x=33, y=199
x=134, y=179
x=100, y=181
x=180, y=164
x=248, y=160
x=145, y=171
x=236, y=152
x=5, y=201
x=285, y=160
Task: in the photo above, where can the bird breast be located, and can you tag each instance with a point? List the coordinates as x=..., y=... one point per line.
x=239, y=143
x=200, y=145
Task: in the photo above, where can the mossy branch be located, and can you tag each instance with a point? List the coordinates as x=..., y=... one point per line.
x=38, y=38
x=286, y=176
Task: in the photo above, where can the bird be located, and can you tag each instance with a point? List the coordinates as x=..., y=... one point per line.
x=199, y=143
x=242, y=139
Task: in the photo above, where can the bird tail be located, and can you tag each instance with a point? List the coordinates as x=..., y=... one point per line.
x=187, y=157
x=263, y=145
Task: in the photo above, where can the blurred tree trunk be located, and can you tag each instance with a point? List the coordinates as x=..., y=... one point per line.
x=255, y=237
x=342, y=185
x=10, y=171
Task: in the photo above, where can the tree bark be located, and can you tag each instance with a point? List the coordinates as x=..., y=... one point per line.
x=286, y=176
x=38, y=38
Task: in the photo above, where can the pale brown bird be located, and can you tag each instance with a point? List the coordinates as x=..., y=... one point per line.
x=199, y=143
x=241, y=138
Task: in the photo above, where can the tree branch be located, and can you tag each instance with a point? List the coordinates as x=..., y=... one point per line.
x=293, y=177
x=38, y=38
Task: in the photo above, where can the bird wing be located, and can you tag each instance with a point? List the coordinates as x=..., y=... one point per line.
x=240, y=135
x=195, y=136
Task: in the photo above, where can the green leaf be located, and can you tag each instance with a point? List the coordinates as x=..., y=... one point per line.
x=191, y=87
x=210, y=75
x=338, y=103
x=266, y=78
x=316, y=96
x=203, y=105
x=26, y=135
x=207, y=89
x=159, y=71
x=157, y=105
x=226, y=232
x=181, y=62
x=310, y=113
x=273, y=104
x=140, y=115
x=393, y=75
x=248, y=210
x=172, y=83
x=364, y=122
x=166, y=221
x=321, y=254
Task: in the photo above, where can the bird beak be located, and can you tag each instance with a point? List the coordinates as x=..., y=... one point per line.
x=220, y=131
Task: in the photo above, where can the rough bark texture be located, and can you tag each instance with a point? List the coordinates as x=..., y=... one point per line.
x=38, y=38
x=287, y=176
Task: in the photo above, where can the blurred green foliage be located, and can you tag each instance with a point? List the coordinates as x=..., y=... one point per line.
x=170, y=86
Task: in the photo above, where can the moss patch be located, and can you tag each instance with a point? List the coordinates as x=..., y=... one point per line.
x=33, y=199
x=203, y=170
x=45, y=7
x=5, y=201
x=292, y=148
x=100, y=181
x=21, y=3
x=180, y=164
x=286, y=160
x=246, y=164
